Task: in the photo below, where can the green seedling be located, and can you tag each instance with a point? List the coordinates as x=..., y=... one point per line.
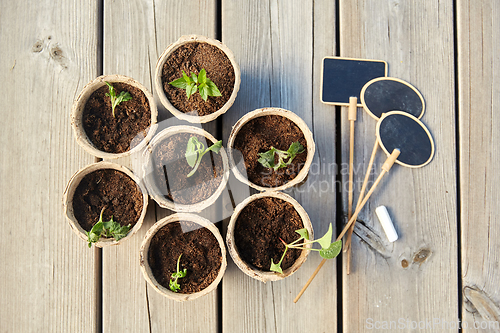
x=195, y=151
x=195, y=83
x=115, y=100
x=267, y=158
x=174, y=286
x=328, y=249
x=106, y=229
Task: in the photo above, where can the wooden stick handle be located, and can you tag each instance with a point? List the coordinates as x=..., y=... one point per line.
x=389, y=162
x=310, y=280
x=353, y=108
x=352, y=119
x=347, y=246
x=385, y=168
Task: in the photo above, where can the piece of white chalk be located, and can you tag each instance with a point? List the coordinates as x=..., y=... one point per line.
x=385, y=220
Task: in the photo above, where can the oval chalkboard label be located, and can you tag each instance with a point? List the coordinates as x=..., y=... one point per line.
x=387, y=94
x=400, y=130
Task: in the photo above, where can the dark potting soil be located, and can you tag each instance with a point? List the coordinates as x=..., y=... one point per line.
x=258, y=230
x=192, y=58
x=258, y=136
x=201, y=255
x=124, y=131
x=169, y=157
x=110, y=189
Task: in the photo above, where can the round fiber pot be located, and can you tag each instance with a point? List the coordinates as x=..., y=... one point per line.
x=165, y=159
x=175, y=59
x=165, y=226
x=258, y=131
x=135, y=126
x=266, y=243
x=78, y=177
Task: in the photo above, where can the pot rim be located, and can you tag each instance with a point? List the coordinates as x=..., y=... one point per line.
x=250, y=270
x=159, y=84
x=311, y=147
x=79, y=106
x=146, y=269
x=147, y=171
x=70, y=191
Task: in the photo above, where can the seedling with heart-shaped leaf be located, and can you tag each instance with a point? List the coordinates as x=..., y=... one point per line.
x=195, y=83
x=174, y=286
x=329, y=249
x=195, y=151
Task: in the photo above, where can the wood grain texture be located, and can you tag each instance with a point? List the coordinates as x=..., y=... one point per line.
x=478, y=31
x=389, y=281
x=49, y=53
x=279, y=46
x=135, y=34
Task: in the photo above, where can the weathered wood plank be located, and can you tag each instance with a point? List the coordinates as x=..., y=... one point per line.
x=404, y=280
x=135, y=34
x=478, y=28
x=48, y=54
x=279, y=46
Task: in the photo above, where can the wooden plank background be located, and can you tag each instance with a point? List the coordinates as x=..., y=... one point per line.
x=445, y=264
x=48, y=53
x=403, y=280
x=478, y=31
x=280, y=66
x=135, y=34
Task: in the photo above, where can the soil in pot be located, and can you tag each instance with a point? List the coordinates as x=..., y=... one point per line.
x=169, y=158
x=258, y=136
x=201, y=255
x=124, y=131
x=192, y=58
x=110, y=189
x=258, y=230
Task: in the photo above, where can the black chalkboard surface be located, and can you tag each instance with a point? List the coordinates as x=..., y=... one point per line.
x=342, y=78
x=382, y=95
x=399, y=130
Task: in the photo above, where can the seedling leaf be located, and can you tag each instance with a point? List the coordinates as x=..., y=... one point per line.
x=332, y=251
x=212, y=88
x=173, y=285
x=203, y=91
x=202, y=76
x=326, y=240
x=267, y=158
x=195, y=151
x=295, y=149
x=109, y=228
x=276, y=267
x=115, y=100
x=195, y=83
x=303, y=233
x=215, y=147
x=179, y=83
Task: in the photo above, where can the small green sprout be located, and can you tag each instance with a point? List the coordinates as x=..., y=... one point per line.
x=195, y=151
x=328, y=249
x=106, y=229
x=195, y=83
x=115, y=100
x=174, y=286
x=267, y=158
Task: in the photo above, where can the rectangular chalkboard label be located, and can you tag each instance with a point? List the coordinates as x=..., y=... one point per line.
x=342, y=78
